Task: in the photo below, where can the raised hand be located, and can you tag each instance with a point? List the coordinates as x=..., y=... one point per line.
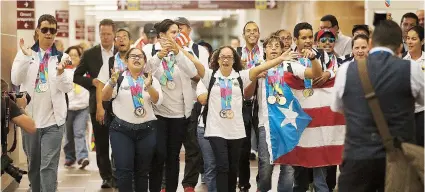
x=289, y=55
x=114, y=75
x=148, y=80
x=26, y=50
x=308, y=53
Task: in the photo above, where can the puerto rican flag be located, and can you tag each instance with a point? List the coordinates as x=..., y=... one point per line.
x=321, y=143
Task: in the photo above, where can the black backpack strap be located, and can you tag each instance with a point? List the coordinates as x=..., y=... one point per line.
x=240, y=84
x=239, y=51
x=404, y=54
x=111, y=63
x=211, y=84
x=153, y=50
x=195, y=49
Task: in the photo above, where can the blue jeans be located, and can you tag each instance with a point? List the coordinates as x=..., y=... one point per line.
x=302, y=179
x=209, y=161
x=265, y=169
x=43, y=151
x=133, y=146
x=75, y=147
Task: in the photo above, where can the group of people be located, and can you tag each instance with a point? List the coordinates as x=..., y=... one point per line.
x=164, y=91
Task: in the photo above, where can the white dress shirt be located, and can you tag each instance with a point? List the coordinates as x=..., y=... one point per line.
x=421, y=62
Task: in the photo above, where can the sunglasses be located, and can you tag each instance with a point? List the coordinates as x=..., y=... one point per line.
x=44, y=30
x=324, y=39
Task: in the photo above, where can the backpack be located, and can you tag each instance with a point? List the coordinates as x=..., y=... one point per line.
x=195, y=49
x=212, y=81
x=107, y=105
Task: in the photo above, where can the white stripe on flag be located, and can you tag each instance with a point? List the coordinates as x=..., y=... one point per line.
x=184, y=39
x=320, y=98
x=322, y=136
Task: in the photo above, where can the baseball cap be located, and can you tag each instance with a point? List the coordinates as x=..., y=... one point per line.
x=360, y=27
x=322, y=32
x=182, y=21
x=149, y=30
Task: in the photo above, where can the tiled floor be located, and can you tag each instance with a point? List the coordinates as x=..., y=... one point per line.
x=75, y=180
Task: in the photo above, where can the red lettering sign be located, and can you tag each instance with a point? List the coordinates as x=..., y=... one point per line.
x=62, y=16
x=29, y=4
x=25, y=25
x=25, y=19
x=79, y=29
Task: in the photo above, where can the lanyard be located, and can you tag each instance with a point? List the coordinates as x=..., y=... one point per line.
x=168, y=66
x=308, y=84
x=275, y=79
x=136, y=90
x=43, y=67
x=120, y=63
x=252, y=57
x=226, y=93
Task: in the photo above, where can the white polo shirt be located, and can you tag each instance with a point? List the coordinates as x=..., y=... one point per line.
x=123, y=106
x=215, y=125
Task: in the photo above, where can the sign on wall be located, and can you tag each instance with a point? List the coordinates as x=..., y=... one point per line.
x=79, y=29
x=90, y=33
x=25, y=15
x=188, y=4
x=62, y=17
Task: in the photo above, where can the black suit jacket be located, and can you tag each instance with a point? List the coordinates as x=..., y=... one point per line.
x=90, y=63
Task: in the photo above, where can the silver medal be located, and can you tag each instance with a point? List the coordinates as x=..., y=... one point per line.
x=171, y=85
x=282, y=100
x=271, y=99
x=43, y=87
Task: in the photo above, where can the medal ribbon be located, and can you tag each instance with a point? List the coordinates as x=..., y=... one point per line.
x=226, y=93
x=308, y=83
x=43, y=68
x=120, y=63
x=252, y=57
x=136, y=90
x=275, y=79
x=168, y=66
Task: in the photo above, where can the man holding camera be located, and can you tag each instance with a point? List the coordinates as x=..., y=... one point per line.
x=40, y=71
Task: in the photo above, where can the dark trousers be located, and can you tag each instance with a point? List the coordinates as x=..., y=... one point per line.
x=331, y=177
x=173, y=130
x=193, y=157
x=362, y=175
x=101, y=136
x=419, y=118
x=133, y=146
x=244, y=169
x=226, y=153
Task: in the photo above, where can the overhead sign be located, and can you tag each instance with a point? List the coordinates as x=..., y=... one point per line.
x=198, y=4
x=62, y=18
x=29, y=4
x=25, y=19
x=79, y=29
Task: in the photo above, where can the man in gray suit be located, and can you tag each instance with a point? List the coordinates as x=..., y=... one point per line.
x=398, y=84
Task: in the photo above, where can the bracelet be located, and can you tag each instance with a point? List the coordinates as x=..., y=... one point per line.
x=112, y=84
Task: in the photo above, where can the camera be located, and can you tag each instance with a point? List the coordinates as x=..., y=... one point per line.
x=15, y=95
x=8, y=167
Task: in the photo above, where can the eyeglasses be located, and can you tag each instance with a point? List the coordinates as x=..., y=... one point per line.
x=125, y=38
x=228, y=58
x=286, y=39
x=136, y=57
x=324, y=39
x=44, y=30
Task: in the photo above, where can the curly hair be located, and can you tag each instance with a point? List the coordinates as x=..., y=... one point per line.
x=237, y=64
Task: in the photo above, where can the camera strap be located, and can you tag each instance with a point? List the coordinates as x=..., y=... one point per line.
x=5, y=131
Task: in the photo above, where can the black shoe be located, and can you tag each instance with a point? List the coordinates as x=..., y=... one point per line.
x=106, y=184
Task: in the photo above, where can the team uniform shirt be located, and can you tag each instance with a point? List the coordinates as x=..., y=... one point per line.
x=201, y=89
x=252, y=57
x=421, y=62
x=78, y=98
x=222, y=127
x=123, y=106
x=178, y=102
